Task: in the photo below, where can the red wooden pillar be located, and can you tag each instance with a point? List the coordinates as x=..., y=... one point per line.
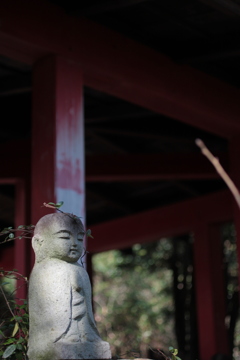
x=21, y=246
x=58, y=171
x=235, y=175
x=210, y=295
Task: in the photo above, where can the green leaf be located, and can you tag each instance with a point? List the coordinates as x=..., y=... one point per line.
x=173, y=357
x=4, y=231
x=89, y=233
x=18, y=318
x=22, y=307
x=20, y=226
x=10, y=227
x=50, y=203
x=11, y=236
x=59, y=204
x=9, y=351
x=1, y=333
x=15, y=330
x=9, y=341
x=20, y=340
x=19, y=356
x=171, y=349
x=19, y=347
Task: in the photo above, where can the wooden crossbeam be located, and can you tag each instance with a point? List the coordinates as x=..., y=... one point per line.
x=116, y=65
x=142, y=167
x=119, y=167
x=172, y=220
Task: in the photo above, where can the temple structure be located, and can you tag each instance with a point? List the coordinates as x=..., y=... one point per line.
x=65, y=55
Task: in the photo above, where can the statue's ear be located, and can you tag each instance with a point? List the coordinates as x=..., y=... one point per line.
x=37, y=241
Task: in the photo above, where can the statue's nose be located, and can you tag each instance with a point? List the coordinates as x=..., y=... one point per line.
x=74, y=242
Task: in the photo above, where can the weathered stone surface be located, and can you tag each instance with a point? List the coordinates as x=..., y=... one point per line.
x=62, y=325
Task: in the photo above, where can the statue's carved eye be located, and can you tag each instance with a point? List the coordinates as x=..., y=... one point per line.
x=80, y=239
x=64, y=237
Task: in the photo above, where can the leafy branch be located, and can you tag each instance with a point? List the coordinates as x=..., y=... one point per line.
x=26, y=231
x=14, y=324
x=173, y=353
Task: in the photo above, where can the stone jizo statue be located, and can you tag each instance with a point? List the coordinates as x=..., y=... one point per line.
x=62, y=325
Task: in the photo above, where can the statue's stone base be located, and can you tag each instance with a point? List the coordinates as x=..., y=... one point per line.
x=86, y=350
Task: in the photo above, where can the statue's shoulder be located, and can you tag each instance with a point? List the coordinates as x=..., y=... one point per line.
x=50, y=267
x=82, y=273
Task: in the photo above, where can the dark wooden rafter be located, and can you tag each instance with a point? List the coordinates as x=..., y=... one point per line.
x=119, y=113
x=214, y=50
x=182, y=22
x=120, y=167
x=10, y=168
x=140, y=134
x=7, y=208
x=15, y=84
x=216, y=55
x=114, y=64
x=101, y=200
x=142, y=167
x=228, y=7
x=107, y=5
x=186, y=188
x=106, y=143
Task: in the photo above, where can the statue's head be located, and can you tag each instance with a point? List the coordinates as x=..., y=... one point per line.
x=59, y=236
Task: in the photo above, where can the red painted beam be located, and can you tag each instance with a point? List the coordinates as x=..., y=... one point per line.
x=19, y=251
x=21, y=247
x=58, y=137
x=151, y=225
x=210, y=290
x=119, y=66
x=144, y=167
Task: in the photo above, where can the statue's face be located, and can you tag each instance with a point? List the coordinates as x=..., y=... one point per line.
x=65, y=241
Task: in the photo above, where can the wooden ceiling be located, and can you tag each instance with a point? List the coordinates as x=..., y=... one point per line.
x=138, y=158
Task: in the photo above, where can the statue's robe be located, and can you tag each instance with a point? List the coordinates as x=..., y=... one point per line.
x=62, y=325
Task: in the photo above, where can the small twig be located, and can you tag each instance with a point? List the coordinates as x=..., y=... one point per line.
x=1, y=324
x=6, y=300
x=13, y=275
x=49, y=206
x=220, y=170
x=85, y=252
x=72, y=216
x=158, y=351
x=24, y=231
